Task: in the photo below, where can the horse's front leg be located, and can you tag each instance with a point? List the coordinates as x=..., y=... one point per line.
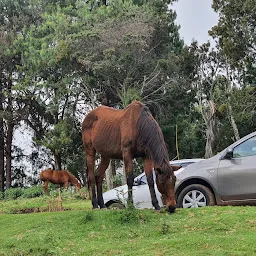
x=90, y=159
x=66, y=186
x=99, y=178
x=46, y=188
x=148, y=168
x=128, y=165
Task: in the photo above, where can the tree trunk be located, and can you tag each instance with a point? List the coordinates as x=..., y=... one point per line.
x=9, y=139
x=57, y=160
x=9, y=136
x=233, y=122
x=109, y=176
x=211, y=129
x=1, y=141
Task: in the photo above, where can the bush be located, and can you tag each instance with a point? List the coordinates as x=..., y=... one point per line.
x=13, y=193
x=1, y=195
x=34, y=191
x=131, y=216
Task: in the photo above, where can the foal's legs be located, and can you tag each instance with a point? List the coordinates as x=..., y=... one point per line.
x=148, y=168
x=99, y=178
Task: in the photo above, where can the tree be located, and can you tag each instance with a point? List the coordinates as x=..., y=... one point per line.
x=235, y=33
x=13, y=16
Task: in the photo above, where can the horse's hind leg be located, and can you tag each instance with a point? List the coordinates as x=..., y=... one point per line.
x=148, y=168
x=99, y=178
x=90, y=159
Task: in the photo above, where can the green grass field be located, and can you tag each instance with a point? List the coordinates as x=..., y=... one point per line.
x=81, y=231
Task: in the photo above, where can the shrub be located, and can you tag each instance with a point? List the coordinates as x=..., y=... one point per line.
x=1, y=195
x=132, y=216
x=12, y=193
x=34, y=191
x=88, y=217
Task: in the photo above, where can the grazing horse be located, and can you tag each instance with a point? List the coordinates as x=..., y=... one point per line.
x=58, y=177
x=126, y=134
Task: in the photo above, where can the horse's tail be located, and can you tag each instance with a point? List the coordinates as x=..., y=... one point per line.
x=87, y=177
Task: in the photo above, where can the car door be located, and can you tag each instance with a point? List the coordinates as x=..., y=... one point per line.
x=141, y=195
x=237, y=176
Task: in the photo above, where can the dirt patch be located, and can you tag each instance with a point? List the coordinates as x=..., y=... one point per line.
x=34, y=210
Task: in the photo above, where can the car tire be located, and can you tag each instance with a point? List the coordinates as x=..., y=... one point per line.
x=116, y=205
x=194, y=196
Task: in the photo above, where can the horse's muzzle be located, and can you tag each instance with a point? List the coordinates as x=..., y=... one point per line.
x=171, y=209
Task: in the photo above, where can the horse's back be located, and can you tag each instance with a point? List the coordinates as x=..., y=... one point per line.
x=106, y=129
x=53, y=176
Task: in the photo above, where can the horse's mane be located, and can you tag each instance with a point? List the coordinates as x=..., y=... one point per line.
x=151, y=138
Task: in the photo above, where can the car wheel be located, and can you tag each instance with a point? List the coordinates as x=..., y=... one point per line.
x=194, y=196
x=116, y=205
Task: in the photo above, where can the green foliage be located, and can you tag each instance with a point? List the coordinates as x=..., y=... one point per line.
x=131, y=216
x=82, y=194
x=235, y=32
x=88, y=217
x=13, y=193
x=1, y=195
x=33, y=191
x=165, y=228
x=117, y=180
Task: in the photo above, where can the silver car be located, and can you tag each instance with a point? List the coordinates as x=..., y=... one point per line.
x=228, y=178
x=117, y=197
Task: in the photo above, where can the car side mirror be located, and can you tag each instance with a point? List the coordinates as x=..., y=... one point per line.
x=228, y=153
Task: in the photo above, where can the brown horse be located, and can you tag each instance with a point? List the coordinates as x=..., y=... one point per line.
x=127, y=134
x=58, y=177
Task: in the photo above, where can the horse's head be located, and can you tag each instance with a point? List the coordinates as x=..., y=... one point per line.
x=165, y=180
x=78, y=187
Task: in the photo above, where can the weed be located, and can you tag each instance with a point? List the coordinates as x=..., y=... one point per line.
x=88, y=217
x=165, y=228
x=131, y=216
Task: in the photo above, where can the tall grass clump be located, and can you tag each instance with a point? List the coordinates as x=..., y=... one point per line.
x=1, y=195
x=34, y=191
x=13, y=193
x=132, y=216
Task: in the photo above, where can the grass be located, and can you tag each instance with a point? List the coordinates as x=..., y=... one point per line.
x=41, y=203
x=205, y=231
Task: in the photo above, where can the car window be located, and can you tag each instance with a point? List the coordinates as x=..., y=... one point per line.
x=247, y=148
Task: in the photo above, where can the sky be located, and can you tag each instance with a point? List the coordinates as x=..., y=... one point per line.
x=196, y=17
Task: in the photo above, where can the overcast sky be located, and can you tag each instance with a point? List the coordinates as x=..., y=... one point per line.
x=196, y=17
